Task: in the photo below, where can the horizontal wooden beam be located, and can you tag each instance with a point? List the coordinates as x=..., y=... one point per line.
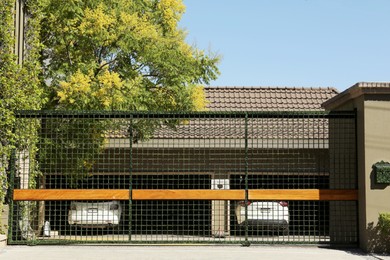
x=100, y=194
x=152, y=194
x=188, y=194
x=304, y=194
x=70, y=194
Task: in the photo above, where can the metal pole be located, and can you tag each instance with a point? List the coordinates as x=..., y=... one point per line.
x=12, y=167
x=131, y=178
x=246, y=242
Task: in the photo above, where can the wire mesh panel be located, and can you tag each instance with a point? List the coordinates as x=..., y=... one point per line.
x=184, y=178
x=301, y=152
x=70, y=152
x=195, y=155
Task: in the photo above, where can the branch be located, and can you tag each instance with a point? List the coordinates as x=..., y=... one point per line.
x=100, y=55
x=68, y=55
x=103, y=65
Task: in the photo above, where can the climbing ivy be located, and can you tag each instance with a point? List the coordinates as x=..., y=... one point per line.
x=20, y=86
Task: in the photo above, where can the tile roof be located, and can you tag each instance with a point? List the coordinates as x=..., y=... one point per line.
x=257, y=99
x=315, y=127
x=267, y=98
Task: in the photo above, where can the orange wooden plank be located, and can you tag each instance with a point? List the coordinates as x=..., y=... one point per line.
x=188, y=194
x=309, y=194
x=339, y=195
x=74, y=194
x=100, y=194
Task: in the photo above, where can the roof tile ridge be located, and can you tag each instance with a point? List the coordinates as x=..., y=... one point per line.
x=275, y=87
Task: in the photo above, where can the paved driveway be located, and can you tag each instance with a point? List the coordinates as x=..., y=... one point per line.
x=179, y=252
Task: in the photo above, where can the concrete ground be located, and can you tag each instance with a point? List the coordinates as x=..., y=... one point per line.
x=97, y=252
x=112, y=252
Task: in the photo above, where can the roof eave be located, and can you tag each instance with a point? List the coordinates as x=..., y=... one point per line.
x=357, y=90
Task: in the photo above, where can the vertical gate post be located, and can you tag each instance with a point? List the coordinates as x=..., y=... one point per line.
x=12, y=167
x=246, y=242
x=130, y=178
x=372, y=104
x=342, y=175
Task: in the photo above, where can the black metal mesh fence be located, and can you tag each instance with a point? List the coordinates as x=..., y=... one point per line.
x=174, y=157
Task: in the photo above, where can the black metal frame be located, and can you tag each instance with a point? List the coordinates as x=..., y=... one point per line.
x=296, y=145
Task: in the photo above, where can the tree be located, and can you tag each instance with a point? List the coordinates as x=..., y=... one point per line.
x=121, y=55
x=115, y=55
x=95, y=55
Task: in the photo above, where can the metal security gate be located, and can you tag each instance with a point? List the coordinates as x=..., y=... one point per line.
x=245, y=177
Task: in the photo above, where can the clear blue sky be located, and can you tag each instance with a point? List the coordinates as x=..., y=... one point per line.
x=309, y=43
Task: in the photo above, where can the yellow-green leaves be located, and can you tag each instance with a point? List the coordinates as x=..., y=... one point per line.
x=139, y=27
x=172, y=11
x=99, y=23
x=76, y=91
x=106, y=91
x=109, y=89
x=121, y=54
x=198, y=97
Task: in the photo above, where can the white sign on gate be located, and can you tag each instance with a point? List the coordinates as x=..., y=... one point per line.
x=220, y=184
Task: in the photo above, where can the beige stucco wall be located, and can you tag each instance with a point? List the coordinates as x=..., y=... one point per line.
x=372, y=103
x=377, y=148
x=377, y=144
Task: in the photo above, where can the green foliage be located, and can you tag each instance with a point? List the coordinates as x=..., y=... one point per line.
x=120, y=55
x=384, y=223
x=20, y=86
x=94, y=55
x=115, y=55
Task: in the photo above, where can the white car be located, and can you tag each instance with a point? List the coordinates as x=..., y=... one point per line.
x=264, y=215
x=94, y=214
